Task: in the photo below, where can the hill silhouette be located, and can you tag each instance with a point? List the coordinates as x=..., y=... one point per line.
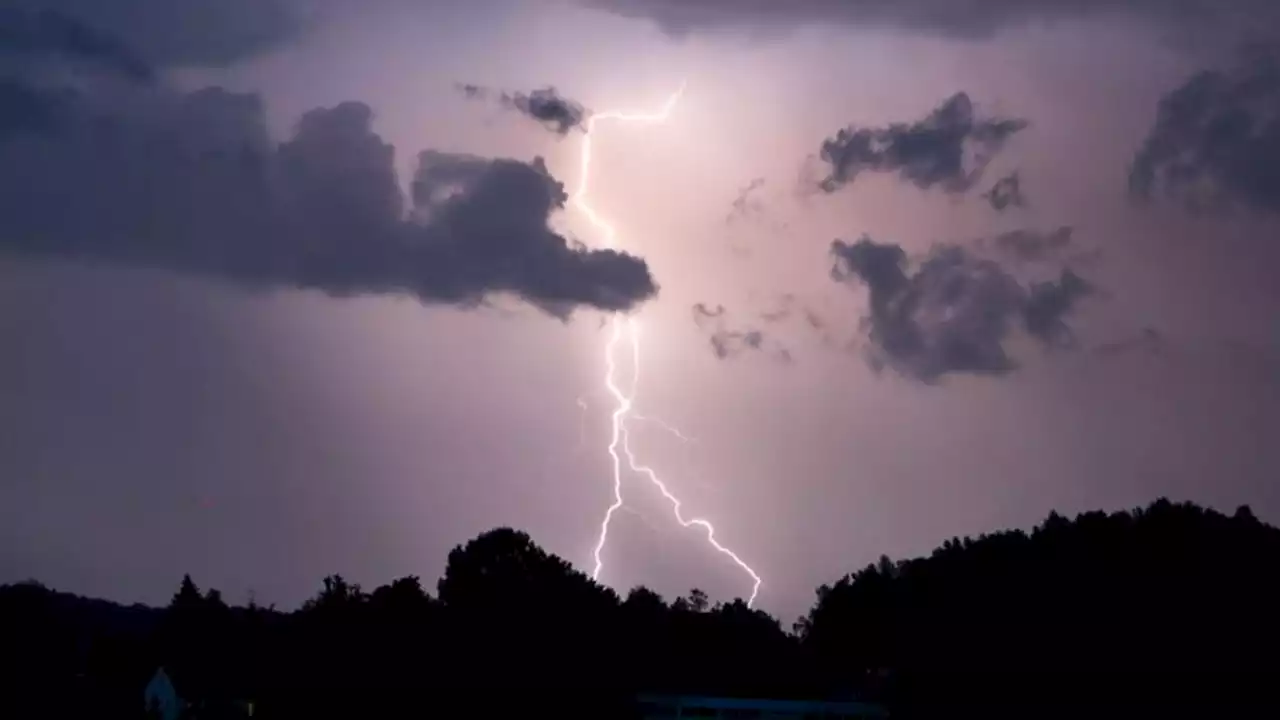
x=1171, y=605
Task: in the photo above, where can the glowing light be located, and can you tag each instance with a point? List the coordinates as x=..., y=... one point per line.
x=626, y=327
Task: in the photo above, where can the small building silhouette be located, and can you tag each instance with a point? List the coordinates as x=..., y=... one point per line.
x=161, y=699
x=169, y=697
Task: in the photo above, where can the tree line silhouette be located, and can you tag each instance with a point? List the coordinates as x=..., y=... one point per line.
x=1171, y=597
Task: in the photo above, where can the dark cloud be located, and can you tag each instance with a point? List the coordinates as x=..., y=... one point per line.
x=971, y=19
x=948, y=149
x=727, y=342
x=546, y=105
x=549, y=107
x=42, y=35
x=1048, y=305
x=1216, y=139
x=1006, y=193
x=1032, y=246
x=954, y=312
x=192, y=183
x=204, y=33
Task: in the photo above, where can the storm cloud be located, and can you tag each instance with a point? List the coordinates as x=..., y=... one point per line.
x=545, y=105
x=25, y=109
x=191, y=182
x=41, y=36
x=1216, y=139
x=191, y=33
x=954, y=312
x=948, y=149
x=973, y=19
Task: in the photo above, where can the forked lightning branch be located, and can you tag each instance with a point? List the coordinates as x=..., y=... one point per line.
x=625, y=331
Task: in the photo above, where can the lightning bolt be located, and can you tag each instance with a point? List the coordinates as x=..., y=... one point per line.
x=628, y=329
x=665, y=426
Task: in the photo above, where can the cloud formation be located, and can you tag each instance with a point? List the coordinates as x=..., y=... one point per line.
x=1216, y=140
x=1006, y=193
x=190, y=33
x=1026, y=245
x=29, y=36
x=954, y=312
x=193, y=183
x=1048, y=305
x=728, y=342
x=948, y=149
x=971, y=19
x=554, y=111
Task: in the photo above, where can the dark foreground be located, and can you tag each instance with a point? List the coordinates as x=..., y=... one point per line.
x=1167, y=611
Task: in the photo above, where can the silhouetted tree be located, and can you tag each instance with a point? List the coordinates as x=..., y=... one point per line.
x=698, y=601
x=188, y=596
x=1169, y=591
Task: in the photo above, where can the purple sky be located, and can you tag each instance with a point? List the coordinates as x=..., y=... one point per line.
x=195, y=379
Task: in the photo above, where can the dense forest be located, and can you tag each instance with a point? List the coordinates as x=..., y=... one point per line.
x=1172, y=600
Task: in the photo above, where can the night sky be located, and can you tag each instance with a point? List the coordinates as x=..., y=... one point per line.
x=297, y=287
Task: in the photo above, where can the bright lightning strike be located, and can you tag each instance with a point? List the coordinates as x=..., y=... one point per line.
x=627, y=327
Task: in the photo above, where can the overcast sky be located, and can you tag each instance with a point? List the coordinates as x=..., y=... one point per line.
x=902, y=272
